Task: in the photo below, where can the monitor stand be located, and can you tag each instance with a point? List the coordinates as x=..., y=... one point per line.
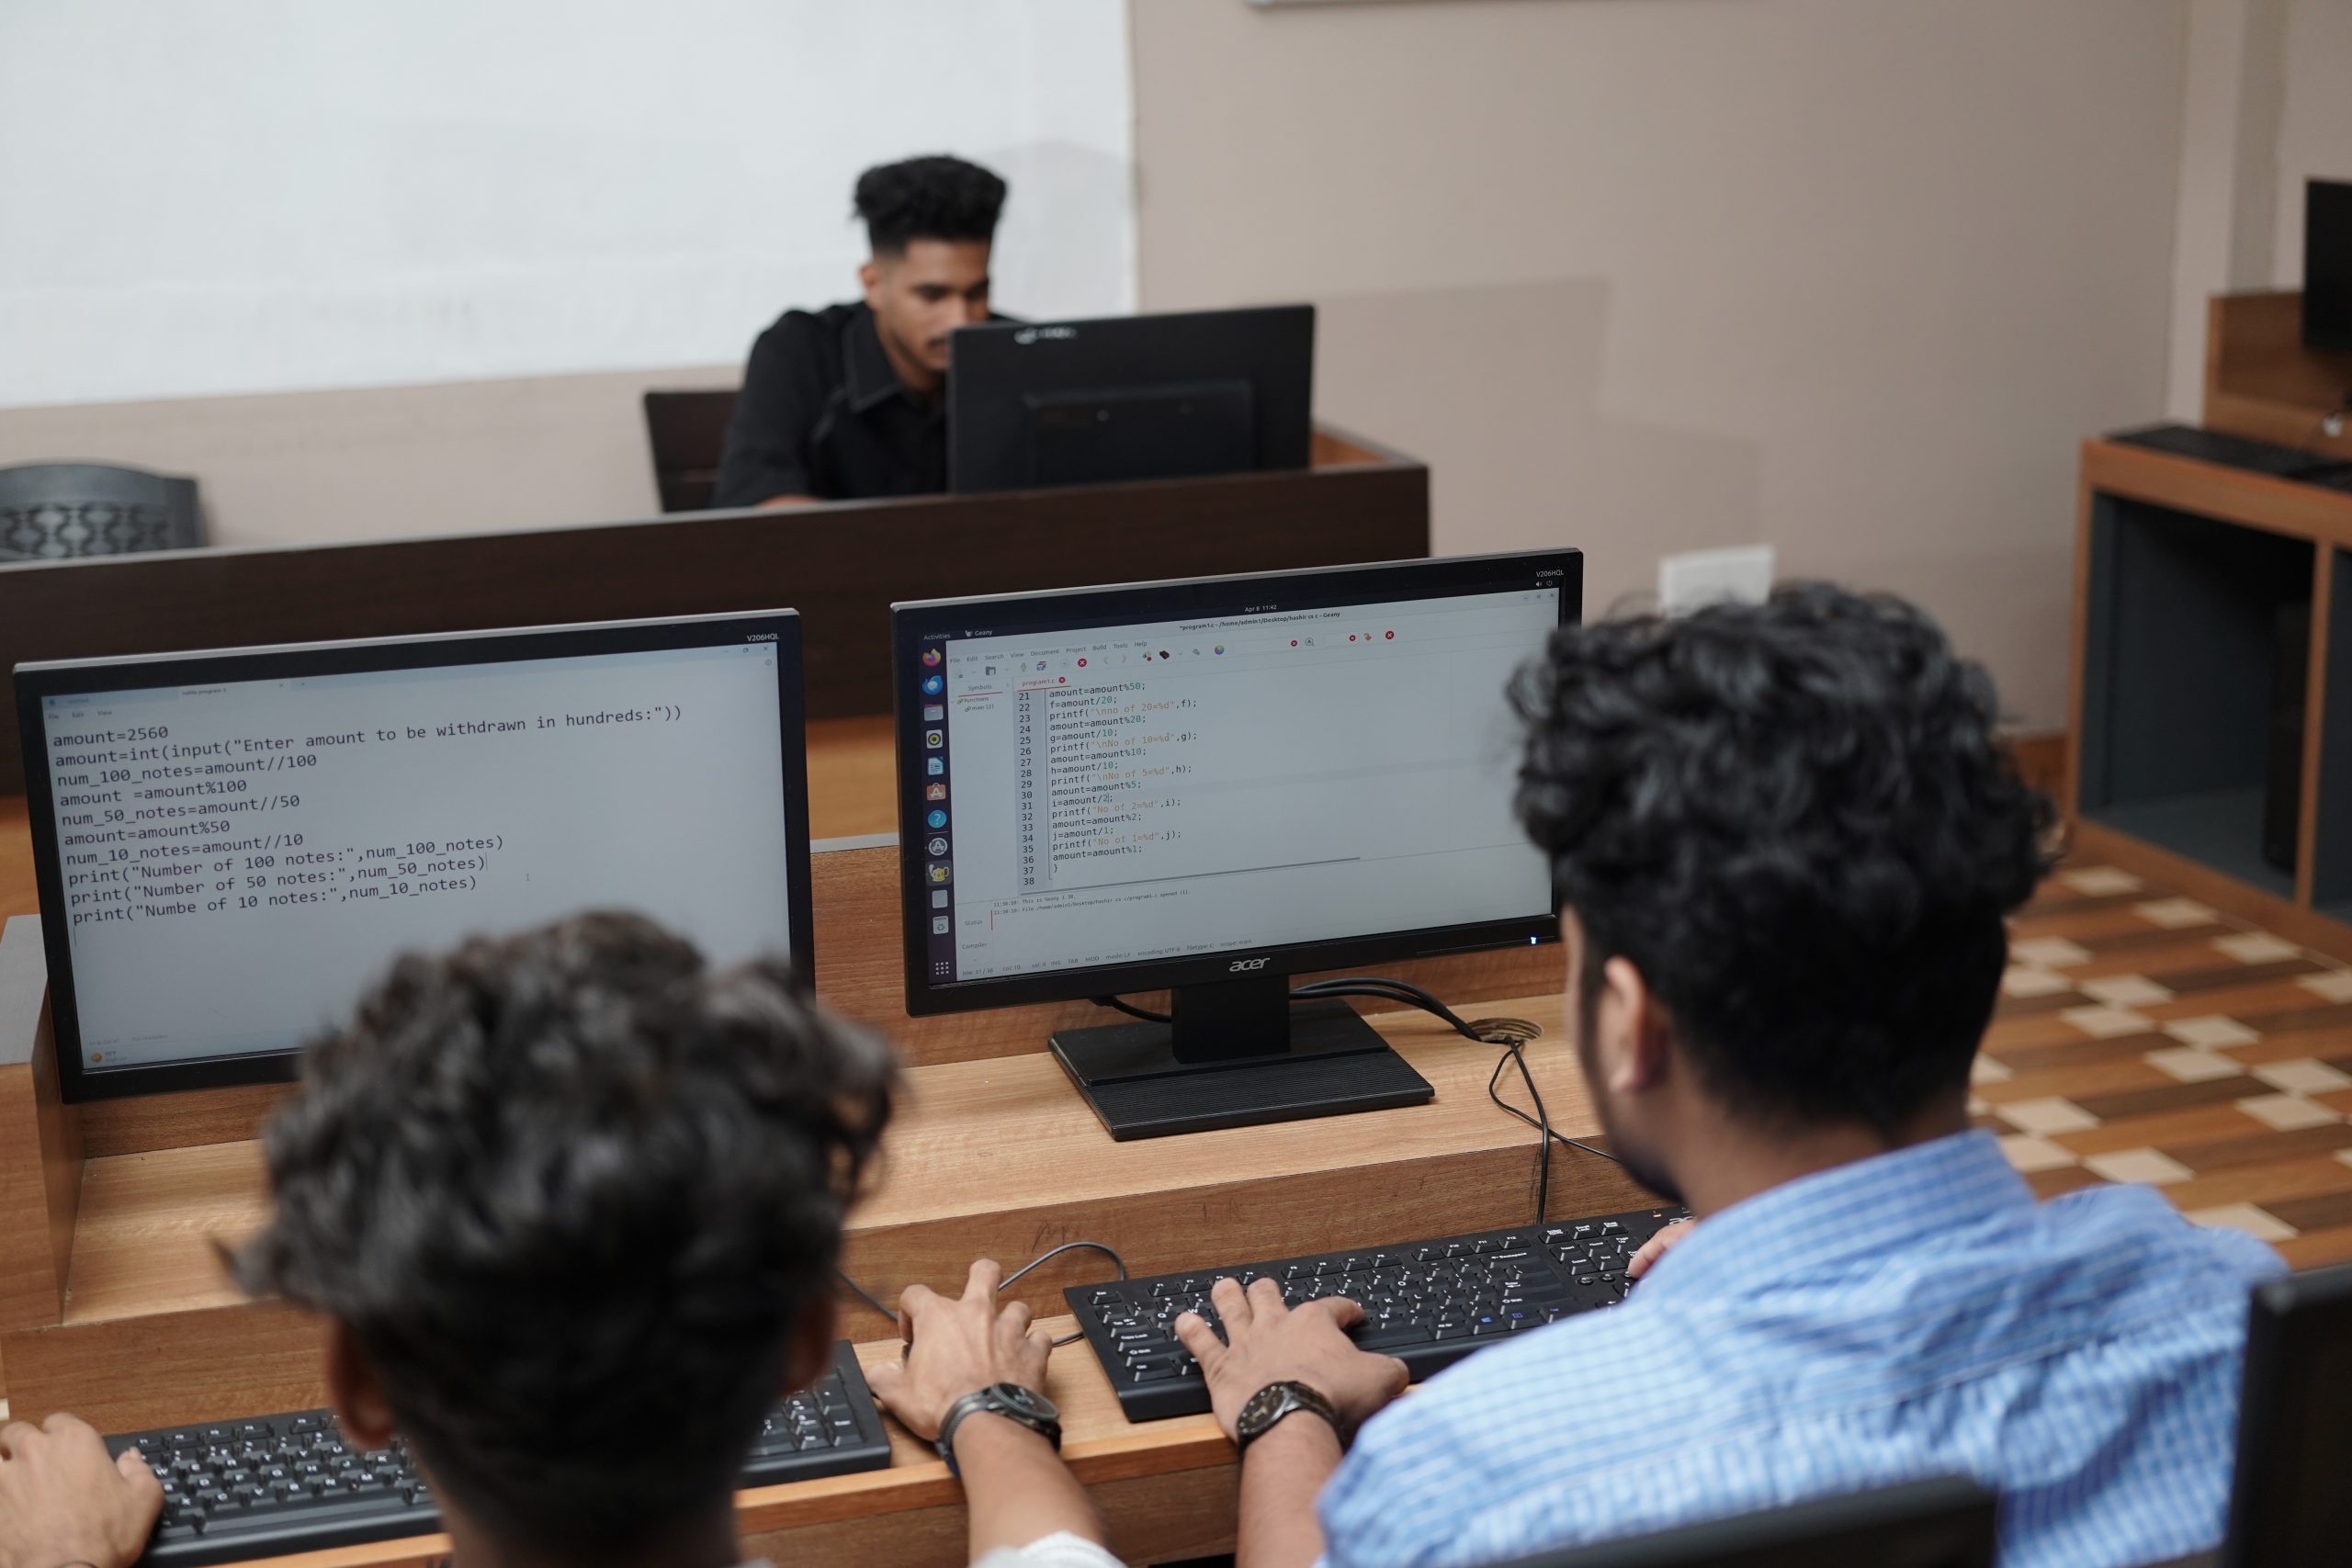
x=1235, y=1053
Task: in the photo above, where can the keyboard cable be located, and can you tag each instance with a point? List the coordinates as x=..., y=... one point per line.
x=1505, y=1033
x=891, y=1312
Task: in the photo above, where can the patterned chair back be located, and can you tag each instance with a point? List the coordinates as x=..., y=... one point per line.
x=60, y=510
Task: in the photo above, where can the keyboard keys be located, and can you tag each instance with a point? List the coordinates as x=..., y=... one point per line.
x=279, y=1484
x=1429, y=1303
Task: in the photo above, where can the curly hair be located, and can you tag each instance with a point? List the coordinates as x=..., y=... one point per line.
x=937, y=197
x=1794, y=819
x=570, y=1192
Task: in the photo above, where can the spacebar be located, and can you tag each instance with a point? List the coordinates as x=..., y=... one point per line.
x=324, y=1513
x=1394, y=1335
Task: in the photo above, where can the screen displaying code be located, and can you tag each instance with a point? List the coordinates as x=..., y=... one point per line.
x=241, y=859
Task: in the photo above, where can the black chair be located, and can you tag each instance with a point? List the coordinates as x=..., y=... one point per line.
x=1947, y=1522
x=62, y=511
x=2290, y=1502
x=688, y=432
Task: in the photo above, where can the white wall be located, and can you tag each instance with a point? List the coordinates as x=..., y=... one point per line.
x=254, y=195
x=1848, y=276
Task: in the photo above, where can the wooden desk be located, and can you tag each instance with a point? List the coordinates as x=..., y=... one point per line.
x=997, y=1156
x=2190, y=577
x=2182, y=568
x=17, y=893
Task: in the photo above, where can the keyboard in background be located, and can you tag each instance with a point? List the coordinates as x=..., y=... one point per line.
x=1428, y=1302
x=270, y=1485
x=2237, y=452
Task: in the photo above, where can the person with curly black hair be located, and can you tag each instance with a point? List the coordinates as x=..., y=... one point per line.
x=568, y=1204
x=1785, y=838
x=847, y=402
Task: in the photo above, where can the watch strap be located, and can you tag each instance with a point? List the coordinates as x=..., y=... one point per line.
x=988, y=1399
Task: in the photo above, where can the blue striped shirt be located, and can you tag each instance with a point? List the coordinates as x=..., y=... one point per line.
x=1911, y=1315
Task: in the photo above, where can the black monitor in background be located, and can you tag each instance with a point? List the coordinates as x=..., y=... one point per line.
x=1032, y=405
x=2327, y=264
x=1209, y=786
x=1949, y=1522
x=230, y=845
x=2289, y=1499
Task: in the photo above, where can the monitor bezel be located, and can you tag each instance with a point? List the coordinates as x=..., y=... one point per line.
x=911, y=624
x=39, y=679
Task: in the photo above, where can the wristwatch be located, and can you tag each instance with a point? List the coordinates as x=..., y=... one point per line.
x=1009, y=1399
x=1274, y=1402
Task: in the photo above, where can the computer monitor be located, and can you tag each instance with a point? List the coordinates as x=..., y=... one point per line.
x=1035, y=404
x=230, y=845
x=1209, y=786
x=1947, y=1522
x=2327, y=263
x=2289, y=1501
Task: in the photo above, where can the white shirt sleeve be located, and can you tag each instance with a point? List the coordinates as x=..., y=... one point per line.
x=1060, y=1550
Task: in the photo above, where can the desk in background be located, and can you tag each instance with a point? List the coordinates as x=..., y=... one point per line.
x=2208, y=595
x=841, y=565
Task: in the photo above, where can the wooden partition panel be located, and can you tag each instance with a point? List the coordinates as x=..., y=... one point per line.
x=2261, y=382
x=840, y=565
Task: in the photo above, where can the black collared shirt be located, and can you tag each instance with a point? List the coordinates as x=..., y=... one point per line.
x=822, y=413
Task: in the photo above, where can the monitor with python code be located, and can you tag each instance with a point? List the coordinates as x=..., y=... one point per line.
x=1209, y=786
x=230, y=845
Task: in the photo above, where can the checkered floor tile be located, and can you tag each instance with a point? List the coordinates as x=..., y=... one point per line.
x=2143, y=1036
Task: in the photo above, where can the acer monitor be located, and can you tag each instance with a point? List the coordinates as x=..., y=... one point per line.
x=1209, y=786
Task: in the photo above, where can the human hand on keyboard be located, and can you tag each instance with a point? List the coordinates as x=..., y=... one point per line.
x=1266, y=1341
x=1650, y=1251
x=955, y=1347
x=63, y=1500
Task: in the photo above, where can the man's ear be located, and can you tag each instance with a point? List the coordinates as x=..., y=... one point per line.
x=1636, y=1043
x=869, y=278
x=354, y=1391
x=809, y=1350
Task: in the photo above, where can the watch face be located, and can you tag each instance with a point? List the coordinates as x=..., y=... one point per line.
x=1027, y=1401
x=1262, y=1404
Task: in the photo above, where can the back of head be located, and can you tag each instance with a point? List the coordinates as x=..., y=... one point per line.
x=570, y=1191
x=1795, y=820
x=936, y=197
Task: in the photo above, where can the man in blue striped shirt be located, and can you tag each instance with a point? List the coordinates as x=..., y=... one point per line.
x=1785, y=840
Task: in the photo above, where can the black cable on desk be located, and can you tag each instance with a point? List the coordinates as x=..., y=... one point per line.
x=891, y=1312
x=1391, y=989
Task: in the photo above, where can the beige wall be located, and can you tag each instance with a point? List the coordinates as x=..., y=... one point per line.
x=2232, y=98
x=2314, y=120
x=382, y=462
x=1848, y=276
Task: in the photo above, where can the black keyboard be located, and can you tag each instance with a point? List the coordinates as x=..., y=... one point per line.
x=1428, y=1302
x=2236, y=452
x=271, y=1485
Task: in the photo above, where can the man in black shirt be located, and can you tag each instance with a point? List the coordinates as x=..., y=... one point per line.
x=846, y=402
